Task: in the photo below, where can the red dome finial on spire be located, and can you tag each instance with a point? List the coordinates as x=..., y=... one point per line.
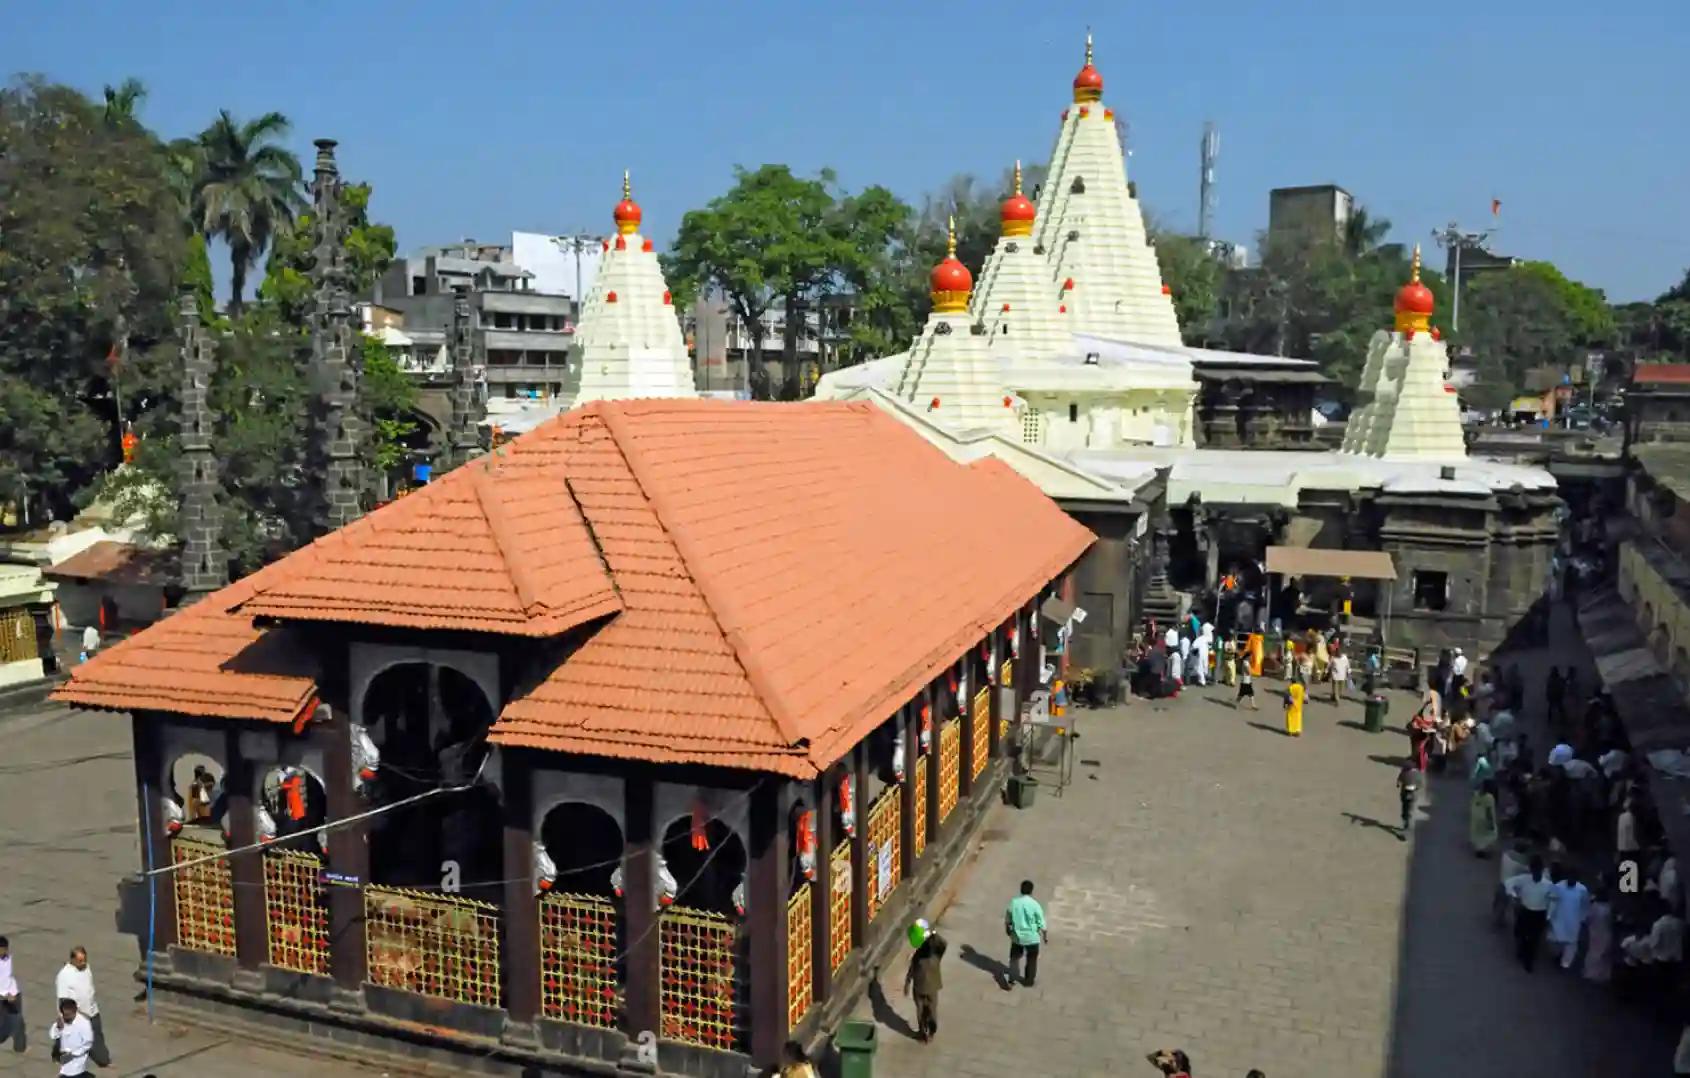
x=1088, y=84
x=627, y=212
x=951, y=280
x=1414, y=303
x=1018, y=210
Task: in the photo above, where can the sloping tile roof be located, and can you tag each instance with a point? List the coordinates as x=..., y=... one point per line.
x=198, y=661
x=508, y=556
x=1661, y=373
x=114, y=563
x=786, y=575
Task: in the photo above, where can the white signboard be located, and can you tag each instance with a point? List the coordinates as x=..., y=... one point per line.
x=883, y=869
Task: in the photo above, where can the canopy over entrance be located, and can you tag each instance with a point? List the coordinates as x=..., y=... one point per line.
x=1355, y=564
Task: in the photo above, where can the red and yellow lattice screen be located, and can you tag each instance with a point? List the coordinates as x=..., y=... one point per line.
x=950, y=766
x=698, y=949
x=885, y=822
x=800, y=958
x=205, y=897
x=1007, y=681
x=438, y=945
x=839, y=906
x=918, y=775
x=980, y=748
x=296, y=911
x=578, y=960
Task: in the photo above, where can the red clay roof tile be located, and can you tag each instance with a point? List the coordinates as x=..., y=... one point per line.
x=784, y=576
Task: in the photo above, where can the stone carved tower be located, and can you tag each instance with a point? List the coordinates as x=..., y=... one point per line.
x=338, y=427
x=468, y=408
x=205, y=565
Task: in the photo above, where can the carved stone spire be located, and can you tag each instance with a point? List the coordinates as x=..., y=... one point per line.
x=338, y=426
x=205, y=565
x=468, y=409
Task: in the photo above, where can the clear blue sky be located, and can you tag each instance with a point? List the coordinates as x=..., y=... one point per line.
x=476, y=119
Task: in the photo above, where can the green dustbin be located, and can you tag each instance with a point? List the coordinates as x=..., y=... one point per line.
x=855, y=1042
x=1377, y=706
x=1023, y=790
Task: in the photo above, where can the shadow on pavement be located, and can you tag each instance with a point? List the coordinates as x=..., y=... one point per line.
x=1394, y=762
x=1280, y=730
x=886, y=1014
x=1368, y=821
x=998, y=970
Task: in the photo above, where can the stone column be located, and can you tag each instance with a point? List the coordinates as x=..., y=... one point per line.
x=521, y=952
x=246, y=870
x=906, y=794
x=205, y=564
x=821, y=894
x=349, y=861
x=857, y=767
x=152, y=784
x=965, y=709
x=767, y=879
x=643, y=1006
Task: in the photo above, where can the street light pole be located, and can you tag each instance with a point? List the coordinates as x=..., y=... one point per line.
x=1452, y=237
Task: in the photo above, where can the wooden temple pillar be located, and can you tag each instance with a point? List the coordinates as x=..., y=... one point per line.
x=349, y=863
x=246, y=869
x=997, y=646
x=965, y=710
x=935, y=701
x=151, y=787
x=768, y=879
x=642, y=990
x=821, y=895
x=520, y=954
x=911, y=734
x=857, y=768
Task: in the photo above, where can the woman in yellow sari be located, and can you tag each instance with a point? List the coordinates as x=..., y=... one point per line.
x=1295, y=694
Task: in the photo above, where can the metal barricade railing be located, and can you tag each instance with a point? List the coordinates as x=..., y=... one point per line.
x=699, y=953
x=578, y=980
x=979, y=721
x=800, y=957
x=839, y=905
x=950, y=766
x=205, y=897
x=885, y=823
x=296, y=911
x=445, y=946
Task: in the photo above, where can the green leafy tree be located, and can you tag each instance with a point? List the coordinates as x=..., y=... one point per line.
x=248, y=190
x=1193, y=276
x=392, y=402
x=1519, y=319
x=123, y=104
x=90, y=259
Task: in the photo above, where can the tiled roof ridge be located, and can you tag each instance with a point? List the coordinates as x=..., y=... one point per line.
x=498, y=523
x=610, y=414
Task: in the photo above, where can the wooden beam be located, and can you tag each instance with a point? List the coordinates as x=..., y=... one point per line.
x=821, y=893
x=768, y=885
x=152, y=785
x=349, y=858
x=906, y=809
x=246, y=870
x=860, y=867
x=521, y=951
x=643, y=998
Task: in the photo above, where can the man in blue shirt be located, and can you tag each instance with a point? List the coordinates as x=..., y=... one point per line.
x=1024, y=922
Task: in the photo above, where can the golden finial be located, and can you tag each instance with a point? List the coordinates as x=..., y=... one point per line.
x=1017, y=176
x=1088, y=45
x=627, y=185
x=1414, y=271
x=950, y=236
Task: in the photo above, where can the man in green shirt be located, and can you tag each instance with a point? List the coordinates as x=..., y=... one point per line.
x=1024, y=922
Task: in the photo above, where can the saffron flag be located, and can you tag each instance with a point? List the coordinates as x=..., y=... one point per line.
x=1495, y=206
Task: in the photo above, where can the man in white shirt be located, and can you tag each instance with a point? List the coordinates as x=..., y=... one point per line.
x=73, y=1040
x=1530, y=891
x=11, y=1001
x=76, y=982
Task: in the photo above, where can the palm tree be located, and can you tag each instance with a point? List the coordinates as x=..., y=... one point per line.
x=248, y=189
x=1362, y=232
x=123, y=103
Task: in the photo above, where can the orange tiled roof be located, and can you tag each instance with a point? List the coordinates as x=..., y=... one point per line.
x=785, y=576
x=203, y=660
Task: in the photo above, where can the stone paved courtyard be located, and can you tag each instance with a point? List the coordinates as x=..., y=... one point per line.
x=1210, y=884
x=1215, y=886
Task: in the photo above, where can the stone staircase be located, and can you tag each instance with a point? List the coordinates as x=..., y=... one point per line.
x=1161, y=601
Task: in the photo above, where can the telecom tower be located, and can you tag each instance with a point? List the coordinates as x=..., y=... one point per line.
x=1211, y=149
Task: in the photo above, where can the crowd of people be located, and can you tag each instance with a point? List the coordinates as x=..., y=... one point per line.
x=77, y=1038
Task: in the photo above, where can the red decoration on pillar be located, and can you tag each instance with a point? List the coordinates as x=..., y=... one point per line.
x=1067, y=284
x=1437, y=334
x=1166, y=291
x=1408, y=334
x=610, y=297
x=1085, y=110
x=1064, y=114
x=700, y=836
x=807, y=843
x=1006, y=306
x=621, y=244
x=1009, y=402
x=1062, y=309
x=646, y=246
x=606, y=244
x=1108, y=114
x=934, y=403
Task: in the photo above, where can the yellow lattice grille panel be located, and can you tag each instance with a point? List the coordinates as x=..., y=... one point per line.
x=1007, y=680
x=800, y=958
x=885, y=821
x=296, y=912
x=17, y=636
x=205, y=898
x=980, y=748
x=578, y=960
x=919, y=776
x=699, y=1006
x=444, y=946
x=950, y=766
x=839, y=909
